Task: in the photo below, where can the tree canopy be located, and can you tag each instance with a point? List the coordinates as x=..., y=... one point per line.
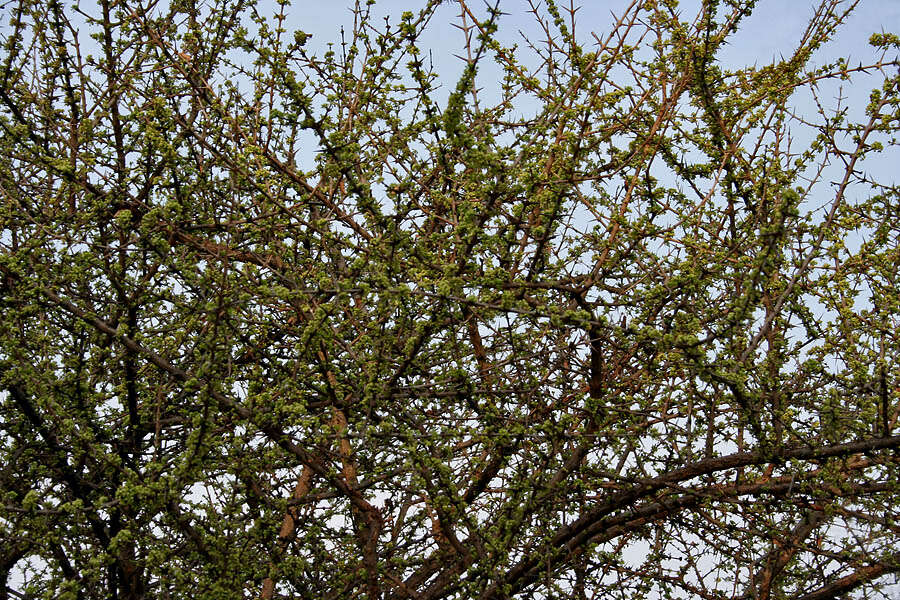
x=604, y=317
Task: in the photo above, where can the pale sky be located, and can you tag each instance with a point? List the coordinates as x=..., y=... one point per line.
x=772, y=30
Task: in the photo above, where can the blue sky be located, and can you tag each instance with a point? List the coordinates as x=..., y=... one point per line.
x=772, y=29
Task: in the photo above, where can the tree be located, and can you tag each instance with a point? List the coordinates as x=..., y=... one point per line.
x=622, y=324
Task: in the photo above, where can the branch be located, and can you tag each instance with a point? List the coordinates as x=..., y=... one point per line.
x=595, y=523
x=850, y=582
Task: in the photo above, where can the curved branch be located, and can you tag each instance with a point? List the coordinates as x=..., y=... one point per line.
x=861, y=576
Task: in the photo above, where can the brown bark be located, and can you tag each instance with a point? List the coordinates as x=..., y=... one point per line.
x=288, y=526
